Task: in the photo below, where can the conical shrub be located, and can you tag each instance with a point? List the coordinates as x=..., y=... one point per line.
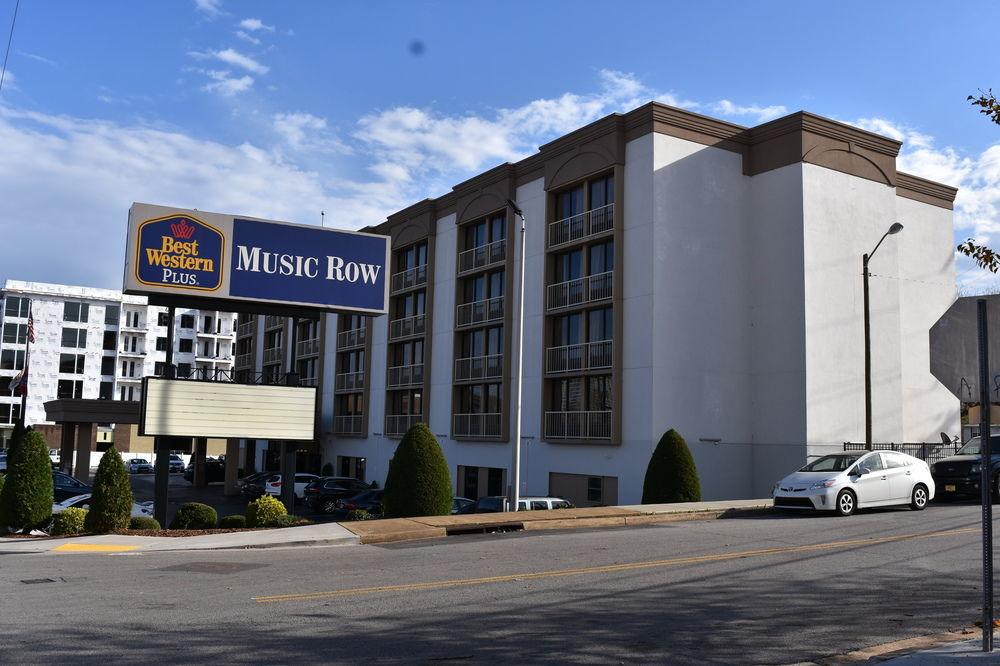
x=26, y=500
x=111, y=502
x=418, y=482
x=671, y=475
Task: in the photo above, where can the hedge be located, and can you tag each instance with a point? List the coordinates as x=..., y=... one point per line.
x=233, y=522
x=418, y=482
x=68, y=521
x=144, y=523
x=194, y=516
x=111, y=502
x=671, y=475
x=26, y=496
x=264, y=512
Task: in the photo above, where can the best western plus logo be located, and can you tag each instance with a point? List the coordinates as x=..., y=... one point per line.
x=179, y=251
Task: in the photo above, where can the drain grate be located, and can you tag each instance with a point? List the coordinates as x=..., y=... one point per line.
x=213, y=567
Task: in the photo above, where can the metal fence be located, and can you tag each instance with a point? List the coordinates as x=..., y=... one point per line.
x=922, y=450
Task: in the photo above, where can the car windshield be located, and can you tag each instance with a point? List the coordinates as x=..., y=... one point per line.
x=974, y=445
x=834, y=463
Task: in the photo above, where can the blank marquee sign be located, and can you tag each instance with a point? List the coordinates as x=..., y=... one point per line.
x=191, y=408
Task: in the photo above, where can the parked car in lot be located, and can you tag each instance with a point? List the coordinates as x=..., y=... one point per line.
x=215, y=471
x=846, y=482
x=83, y=502
x=960, y=475
x=3, y=461
x=176, y=463
x=302, y=479
x=253, y=485
x=367, y=500
x=65, y=486
x=460, y=504
x=138, y=466
x=322, y=494
x=250, y=478
x=499, y=503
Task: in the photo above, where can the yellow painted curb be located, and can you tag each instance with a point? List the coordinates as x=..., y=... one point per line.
x=91, y=548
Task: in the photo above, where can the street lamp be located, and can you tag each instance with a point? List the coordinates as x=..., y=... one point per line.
x=516, y=475
x=893, y=230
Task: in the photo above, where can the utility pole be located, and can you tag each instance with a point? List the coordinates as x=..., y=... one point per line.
x=161, y=444
x=515, y=493
x=986, y=475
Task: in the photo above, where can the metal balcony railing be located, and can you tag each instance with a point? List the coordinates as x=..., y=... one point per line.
x=273, y=321
x=352, y=338
x=244, y=360
x=244, y=329
x=407, y=327
x=479, y=312
x=479, y=367
x=348, y=382
x=585, y=356
x=582, y=290
x=413, y=277
x=307, y=347
x=487, y=426
x=396, y=425
x=405, y=376
x=353, y=424
x=578, y=425
x=132, y=352
x=273, y=355
x=483, y=256
x=308, y=381
x=581, y=226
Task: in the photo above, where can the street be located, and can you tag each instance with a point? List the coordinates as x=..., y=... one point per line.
x=766, y=589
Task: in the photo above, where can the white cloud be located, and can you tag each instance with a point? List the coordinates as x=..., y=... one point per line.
x=38, y=58
x=247, y=38
x=210, y=8
x=254, y=24
x=225, y=84
x=760, y=113
x=304, y=131
x=232, y=57
x=9, y=81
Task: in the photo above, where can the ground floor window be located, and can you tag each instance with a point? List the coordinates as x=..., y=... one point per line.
x=352, y=467
x=476, y=482
x=584, y=489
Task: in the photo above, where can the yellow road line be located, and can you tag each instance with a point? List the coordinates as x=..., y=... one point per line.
x=609, y=568
x=91, y=548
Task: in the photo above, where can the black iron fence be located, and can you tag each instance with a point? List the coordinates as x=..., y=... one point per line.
x=922, y=450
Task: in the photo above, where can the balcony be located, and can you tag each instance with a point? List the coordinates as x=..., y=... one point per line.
x=484, y=426
x=244, y=329
x=589, y=289
x=353, y=425
x=308, y=381
x=405, y=376
x=213, y=358
x=272, y=321
x=481, y=257
x=407, y=327
x=132, y=352
x=307, y=348
x=273, y=355
x=409, y=279
x=136, y=380
x=479, y=367
x=574, y=358
x=349, y=382
x=479, y=312
x=244, y=360
x=578, y=425
x=352, y=338
x=583, y=226
x=396, y=425
x=131, y=328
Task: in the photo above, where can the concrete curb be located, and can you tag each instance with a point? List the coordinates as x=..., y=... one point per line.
x=894, y=649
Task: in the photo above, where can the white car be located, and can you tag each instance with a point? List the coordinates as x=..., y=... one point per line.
x=846, y=482
x=83, y=502
x=273, y=485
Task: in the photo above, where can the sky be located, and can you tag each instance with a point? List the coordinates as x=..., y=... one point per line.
x=358, y=109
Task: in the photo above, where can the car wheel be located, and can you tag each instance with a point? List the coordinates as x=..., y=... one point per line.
x=846, y=503
x=329, y=506
x=918, y=500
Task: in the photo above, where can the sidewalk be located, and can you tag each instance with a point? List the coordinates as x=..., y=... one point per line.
x=393, y=529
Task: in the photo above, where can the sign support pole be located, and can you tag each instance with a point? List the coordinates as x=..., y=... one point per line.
x=986, y=480
x=161, y=445
x=515, y=488
x=288, y=449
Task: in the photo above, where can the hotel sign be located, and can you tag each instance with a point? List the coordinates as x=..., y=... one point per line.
x=188, y=253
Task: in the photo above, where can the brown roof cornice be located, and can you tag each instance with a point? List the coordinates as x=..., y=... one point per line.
x=926, y=191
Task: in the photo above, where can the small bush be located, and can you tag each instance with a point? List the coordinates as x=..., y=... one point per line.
x=671, y=475
x=232, y=522
x=358, y=514
x=144, y=523
x=327, y=469
x=264, y=511
x=111, y=503
x=26, y=497
x=194, y=516
x=69, y=521
x=290, y=521
x=418, y=483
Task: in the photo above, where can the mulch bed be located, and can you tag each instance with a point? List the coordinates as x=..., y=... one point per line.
x=187, y=533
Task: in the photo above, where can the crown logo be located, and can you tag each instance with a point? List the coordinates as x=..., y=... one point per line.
x=182, y=230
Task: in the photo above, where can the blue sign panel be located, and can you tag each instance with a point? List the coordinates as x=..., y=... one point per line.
x=314, y=266
x=180, y=252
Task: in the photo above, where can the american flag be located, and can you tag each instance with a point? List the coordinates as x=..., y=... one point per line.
x=31, y=327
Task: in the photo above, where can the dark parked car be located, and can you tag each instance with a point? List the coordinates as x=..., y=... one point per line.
x=367, y=500
x=323, y=493
x=252, y=486
x=462, y=505
x=65, y=486
x=215, y=471
x=176, y=463
x=959, y=475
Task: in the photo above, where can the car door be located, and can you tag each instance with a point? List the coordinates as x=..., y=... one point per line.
x=900, y=472
x=873, y=486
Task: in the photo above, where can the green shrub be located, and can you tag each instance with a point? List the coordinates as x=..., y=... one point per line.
x=233, y=522
x=290, y=521
x=358, y=514
x=671, y=475
x=194, y=516
x=327, y=469
x=264, y=511
x=111, y=503
x=26, y=497
x=418, y=483
x=144, y=523
x=68, y=521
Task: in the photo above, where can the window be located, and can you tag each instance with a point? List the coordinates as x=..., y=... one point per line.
x=15, y=333
x=186, y=345
x=568, y=395
x=15, y=306
x=206, y=324
x=272, y=339
x=11, y=359
x=187, y=321
x=569, y=266
x=162, y=319
x=77, y=312
x=595, y=488
x=895, y=460
x=111, y=314
x=110, y=341
x=69, y=388
x=602, y=192
x=161, y=344
x=567, y=330
x=74, y=338
x=158, y=368
x=599, y=393
x=494, y=483
x=71, y=364
x=600, y=325
x=602, y=258
x=183, y=370
x=569, y=203
x=106, y=392
x=9, y=413
x=872, y=463
x=107, y=365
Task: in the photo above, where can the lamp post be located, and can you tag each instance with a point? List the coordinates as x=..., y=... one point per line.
x=893, y=230
x=516, y=475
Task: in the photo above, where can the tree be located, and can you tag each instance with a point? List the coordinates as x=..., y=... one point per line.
x=26, y=497
x=418, y=482
x=983, y=256
x=111, y=501
x=671, y=475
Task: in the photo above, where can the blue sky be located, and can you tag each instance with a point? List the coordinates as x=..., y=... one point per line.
x=285, y=109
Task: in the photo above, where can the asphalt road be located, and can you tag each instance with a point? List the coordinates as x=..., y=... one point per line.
x=772, y=589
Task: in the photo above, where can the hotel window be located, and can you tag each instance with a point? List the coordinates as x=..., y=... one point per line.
x=602, y=258
x=110, y=341
x=15, y=306
x=479, y=399
x=413, y=304
x=71, y=364
x=158, y=368
x=272, y=373
x=351, y=404
x=307, y=368
x=408, y=353
x=9, y=413
x=601, y=325
x=78, y=312
x=272, y=339
x=111, y=314
x=568, y=395
x=567, y=330
x=187, y=321
x=163, y=319
x=602, y=192
x=161, y=344
x=599, y=393
x=412, y=257
x=569, y=266
x=595, y=489
x=15, y=333
x=106, y=391
x=406, y=402
x=186, y=345
x=69, y=388
x=107, y=365
x=11, y=359
x=74, y=338
x=569, y=203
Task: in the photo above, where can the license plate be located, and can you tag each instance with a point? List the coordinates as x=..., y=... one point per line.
x=949, y=489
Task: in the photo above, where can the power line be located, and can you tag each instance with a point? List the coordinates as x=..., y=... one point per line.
x=10, y=38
